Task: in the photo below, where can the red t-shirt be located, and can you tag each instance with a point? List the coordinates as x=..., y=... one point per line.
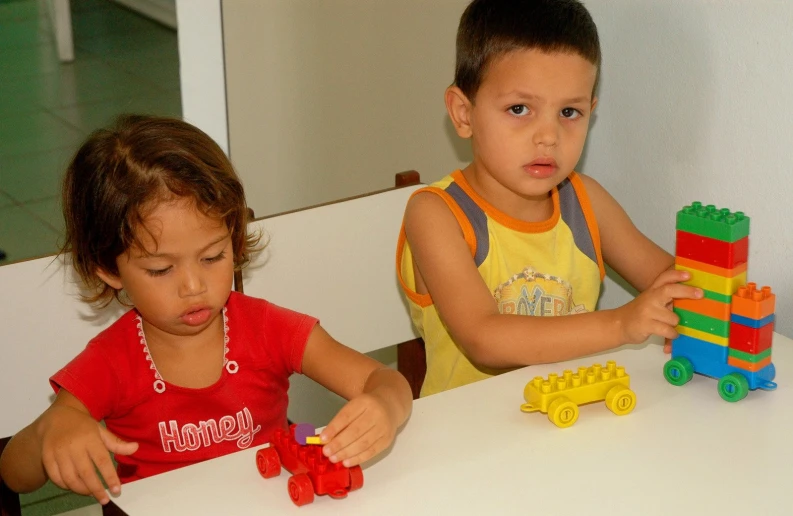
x=116, y=380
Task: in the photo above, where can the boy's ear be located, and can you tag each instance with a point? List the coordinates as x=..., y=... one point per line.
x=459, y=108
x=594, y=105
x=112, y=280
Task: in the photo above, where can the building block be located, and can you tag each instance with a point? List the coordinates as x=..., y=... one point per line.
x=749, y=366
x=713, y=282
x=750, y=302
x=749, y=357
x=559, y=396
x=715, y=296
x=751, y=340
x=303, y=432
x=709, y=221
x=707, y=307
x=312, y=472
x=752, y=323
x=699, y=351
x=719, y=271
x=701, y=335
x=703, y=323
x=711, y=251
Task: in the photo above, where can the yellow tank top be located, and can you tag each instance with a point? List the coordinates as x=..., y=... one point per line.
x=544, y=268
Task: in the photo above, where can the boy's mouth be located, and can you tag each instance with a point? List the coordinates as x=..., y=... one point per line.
x=196, y=316
x=541, y=168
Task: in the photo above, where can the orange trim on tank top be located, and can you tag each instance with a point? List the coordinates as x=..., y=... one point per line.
x=506, y=220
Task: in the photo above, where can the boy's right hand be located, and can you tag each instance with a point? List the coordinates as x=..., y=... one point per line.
x=74, y=446
x=651, y=312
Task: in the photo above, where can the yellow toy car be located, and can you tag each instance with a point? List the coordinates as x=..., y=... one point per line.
x=560, y=396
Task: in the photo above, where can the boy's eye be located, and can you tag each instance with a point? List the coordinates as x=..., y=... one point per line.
x=216, y=258
x=570, y=113
x=519, y=110
x=158, y=272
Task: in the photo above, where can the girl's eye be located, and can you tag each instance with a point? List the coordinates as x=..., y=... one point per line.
x=519, y=110
x=570, y=113
x=158, y=272
x=216, y=258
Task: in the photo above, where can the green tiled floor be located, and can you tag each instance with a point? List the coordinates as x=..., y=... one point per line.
x=124, y=63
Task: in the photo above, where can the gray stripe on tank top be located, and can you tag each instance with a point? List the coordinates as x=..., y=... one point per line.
x=573, y=216
x=476, y=216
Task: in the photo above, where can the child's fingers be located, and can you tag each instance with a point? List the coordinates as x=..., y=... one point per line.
x=667, y=345
x=87, y=472
x=679, y=291
x=357, y=435
x=348, y=413
x=54, y=472
x=70, y=474
x=115, y=444
x=101, y=459
x=361, y=451
x=670, y=276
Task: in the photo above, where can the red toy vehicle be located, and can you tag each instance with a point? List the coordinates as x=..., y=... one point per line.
x=312, y=472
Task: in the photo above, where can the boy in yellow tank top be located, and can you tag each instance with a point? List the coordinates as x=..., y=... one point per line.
x=490, y=255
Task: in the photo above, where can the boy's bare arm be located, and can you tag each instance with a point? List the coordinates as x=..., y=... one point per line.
x=633, y=256
x=496, y=340
x=20, y=465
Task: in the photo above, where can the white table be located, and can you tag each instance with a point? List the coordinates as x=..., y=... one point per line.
x=682, y=451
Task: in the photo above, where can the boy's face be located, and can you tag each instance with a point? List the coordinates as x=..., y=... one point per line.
x=528, y=121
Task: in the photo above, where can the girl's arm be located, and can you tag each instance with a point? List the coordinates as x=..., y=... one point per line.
x=380, y=398
x=67, y=446
x=445, y=270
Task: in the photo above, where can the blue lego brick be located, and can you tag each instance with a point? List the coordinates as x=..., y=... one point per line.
x=752, y=323
x=701, y=353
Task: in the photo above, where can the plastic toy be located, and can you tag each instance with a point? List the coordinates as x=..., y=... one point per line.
x=727, y=335
x=560, y=397
x=312, y=472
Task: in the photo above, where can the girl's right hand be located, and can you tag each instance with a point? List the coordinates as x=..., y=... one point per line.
x=651, y=312
x=74, y=446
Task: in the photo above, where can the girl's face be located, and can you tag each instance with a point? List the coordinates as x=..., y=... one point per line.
x=181, y=277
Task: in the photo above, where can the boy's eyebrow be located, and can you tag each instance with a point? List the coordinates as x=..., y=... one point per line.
x=168, y=255
x=529, y=96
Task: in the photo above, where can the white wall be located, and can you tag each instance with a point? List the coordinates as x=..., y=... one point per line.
x=694, y=105
x=328, y=99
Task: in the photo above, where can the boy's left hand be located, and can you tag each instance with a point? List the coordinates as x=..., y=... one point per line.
x=363, y=428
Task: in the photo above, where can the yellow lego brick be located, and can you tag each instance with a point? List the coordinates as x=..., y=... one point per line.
x=701, y=335
x=559, y=396
x=713, y=282
x=313, y=440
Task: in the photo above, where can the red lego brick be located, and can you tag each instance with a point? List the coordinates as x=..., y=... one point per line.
x=751, y=340
x=753, y=303
x=711, y=251
x=312, y=472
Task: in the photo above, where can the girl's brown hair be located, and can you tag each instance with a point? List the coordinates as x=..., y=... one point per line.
x=120, y=172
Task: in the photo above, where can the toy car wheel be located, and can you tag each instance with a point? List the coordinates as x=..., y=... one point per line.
x=678, y=371
x=268, y=463
x=620, y=400
x=562, y=412
x=301, y=491
x=733, y=387
x=356, y=478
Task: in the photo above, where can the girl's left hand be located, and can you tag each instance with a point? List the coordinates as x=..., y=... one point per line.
x=363, y=428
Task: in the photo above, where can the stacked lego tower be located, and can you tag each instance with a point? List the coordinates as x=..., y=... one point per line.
x=731, y=328
x=713, y=245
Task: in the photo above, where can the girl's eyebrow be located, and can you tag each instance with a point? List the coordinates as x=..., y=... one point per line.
x=169, y=255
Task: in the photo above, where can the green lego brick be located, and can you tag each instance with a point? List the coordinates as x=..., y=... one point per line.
x=748, y=357
x=716, y=296
x=708, y=221
x=703, y=323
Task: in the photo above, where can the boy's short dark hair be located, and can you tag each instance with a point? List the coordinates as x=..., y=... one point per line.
x=492, y=28
x=120, y=173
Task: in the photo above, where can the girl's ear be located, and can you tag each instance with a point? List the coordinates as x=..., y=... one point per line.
x=112, y=280
x=459, y=109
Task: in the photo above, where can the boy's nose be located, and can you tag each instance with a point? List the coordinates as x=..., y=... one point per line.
x=546, y=133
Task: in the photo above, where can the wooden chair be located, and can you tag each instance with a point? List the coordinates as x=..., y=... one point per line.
x=334, y=261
